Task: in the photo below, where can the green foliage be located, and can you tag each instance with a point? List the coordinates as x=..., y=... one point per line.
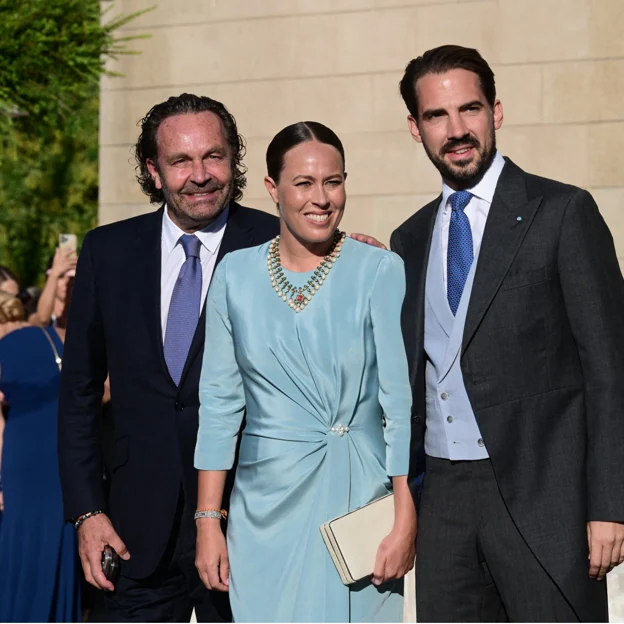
x=52, y=54
x=49, y=185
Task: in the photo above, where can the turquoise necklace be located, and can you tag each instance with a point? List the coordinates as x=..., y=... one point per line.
x=298, y=297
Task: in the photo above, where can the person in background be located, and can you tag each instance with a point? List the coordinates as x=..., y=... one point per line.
x=8, y=281
x=39, y=567
x=30, y=298
x=12, y=314
x=2, y=424
x=51, y=304
x=318, y=367
x=12, y=317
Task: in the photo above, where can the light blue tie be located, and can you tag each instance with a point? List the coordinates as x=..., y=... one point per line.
x=460, y=253
x=184, y=308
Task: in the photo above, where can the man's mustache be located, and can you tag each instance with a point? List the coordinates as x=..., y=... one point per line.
x=466, y=141
x=191, y=189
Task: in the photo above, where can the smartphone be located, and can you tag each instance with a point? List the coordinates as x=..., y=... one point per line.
x=110, y=564
x=68, y=242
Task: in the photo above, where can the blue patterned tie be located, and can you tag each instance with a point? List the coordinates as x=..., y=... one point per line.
x=184, y=308
x=460, y=254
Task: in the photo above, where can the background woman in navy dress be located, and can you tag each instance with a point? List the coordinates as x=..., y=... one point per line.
x=39, y=573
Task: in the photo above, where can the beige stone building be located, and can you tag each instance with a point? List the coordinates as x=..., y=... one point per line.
x=559, y=68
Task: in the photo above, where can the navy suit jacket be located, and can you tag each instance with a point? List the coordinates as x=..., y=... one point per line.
x=114, y=328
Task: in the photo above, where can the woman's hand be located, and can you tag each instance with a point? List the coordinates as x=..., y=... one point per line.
x=369, y=240
x=395, y=556
x=211, y=559
x=63, y=262
x=396, y=553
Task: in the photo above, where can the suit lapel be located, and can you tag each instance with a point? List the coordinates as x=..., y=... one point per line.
x=509, y=219
x=416, y=260
x=237, y=235
x=435, y=291
x=148, y=272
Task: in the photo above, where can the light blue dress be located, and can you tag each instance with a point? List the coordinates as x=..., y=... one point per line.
x=298, y=377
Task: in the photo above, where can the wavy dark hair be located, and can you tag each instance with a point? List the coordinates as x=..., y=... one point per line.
x=184, y=104
x=293, y=135
x=6, y=275
x=439, y=61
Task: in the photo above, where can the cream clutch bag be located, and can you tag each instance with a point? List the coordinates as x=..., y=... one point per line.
x=353, y=539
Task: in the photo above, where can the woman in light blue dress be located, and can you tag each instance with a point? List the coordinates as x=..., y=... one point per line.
x=303, y=338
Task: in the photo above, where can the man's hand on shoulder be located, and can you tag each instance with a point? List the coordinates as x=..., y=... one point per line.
x=606, y=547
x=369, y=240
x=94, y=534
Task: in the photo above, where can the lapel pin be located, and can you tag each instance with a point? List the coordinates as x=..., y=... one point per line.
x=518, y=219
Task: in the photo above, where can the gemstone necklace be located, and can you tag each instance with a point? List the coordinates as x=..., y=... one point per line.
x=298, y=297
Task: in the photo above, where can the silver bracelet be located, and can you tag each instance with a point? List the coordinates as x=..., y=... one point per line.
x=210, y=513
x=86, y=516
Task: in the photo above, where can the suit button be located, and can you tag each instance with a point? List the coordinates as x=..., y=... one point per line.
x=417, y=420
x=444, y=396
x=449, y=419
x=480, y=442
x=179, y=406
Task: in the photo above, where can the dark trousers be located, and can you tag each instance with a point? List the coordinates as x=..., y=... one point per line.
x=172, y=592
x=472, y=563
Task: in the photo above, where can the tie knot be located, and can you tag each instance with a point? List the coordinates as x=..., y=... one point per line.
x=459, y=200
x=191, y=245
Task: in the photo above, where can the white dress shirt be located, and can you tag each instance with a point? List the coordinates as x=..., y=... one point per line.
x=173, y=257
x=477, y=210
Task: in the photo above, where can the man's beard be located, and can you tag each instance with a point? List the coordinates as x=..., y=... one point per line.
x=204, y=213
x=464, y=174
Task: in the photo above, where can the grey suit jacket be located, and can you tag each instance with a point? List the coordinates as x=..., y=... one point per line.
x=543, y=364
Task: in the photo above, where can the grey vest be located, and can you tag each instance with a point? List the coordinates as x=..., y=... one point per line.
x=452, y=429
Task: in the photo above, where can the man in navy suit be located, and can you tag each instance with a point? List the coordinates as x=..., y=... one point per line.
x=137, y=313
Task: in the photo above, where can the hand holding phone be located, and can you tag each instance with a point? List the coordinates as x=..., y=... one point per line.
x=65, y=259
x=68, y=242
x=110, y=564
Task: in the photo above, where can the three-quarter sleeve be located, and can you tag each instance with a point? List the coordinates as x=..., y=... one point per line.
x=221, y=393
x=395, y=395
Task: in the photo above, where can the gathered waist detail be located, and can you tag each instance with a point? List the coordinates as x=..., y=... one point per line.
x=340, y=430
x=312, y=435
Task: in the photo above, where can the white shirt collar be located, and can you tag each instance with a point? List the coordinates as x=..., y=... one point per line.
x=210, y=236
x=486, y=187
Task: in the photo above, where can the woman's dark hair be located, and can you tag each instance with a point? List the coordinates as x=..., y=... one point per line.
x=187, y=103
x=6, y=275
x=439, y=61
x=30, y=298
x=293, y=135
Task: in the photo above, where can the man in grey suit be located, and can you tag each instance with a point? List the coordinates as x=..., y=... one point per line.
x=514, y=333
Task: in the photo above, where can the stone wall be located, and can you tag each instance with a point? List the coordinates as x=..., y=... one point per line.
x=559, y=68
